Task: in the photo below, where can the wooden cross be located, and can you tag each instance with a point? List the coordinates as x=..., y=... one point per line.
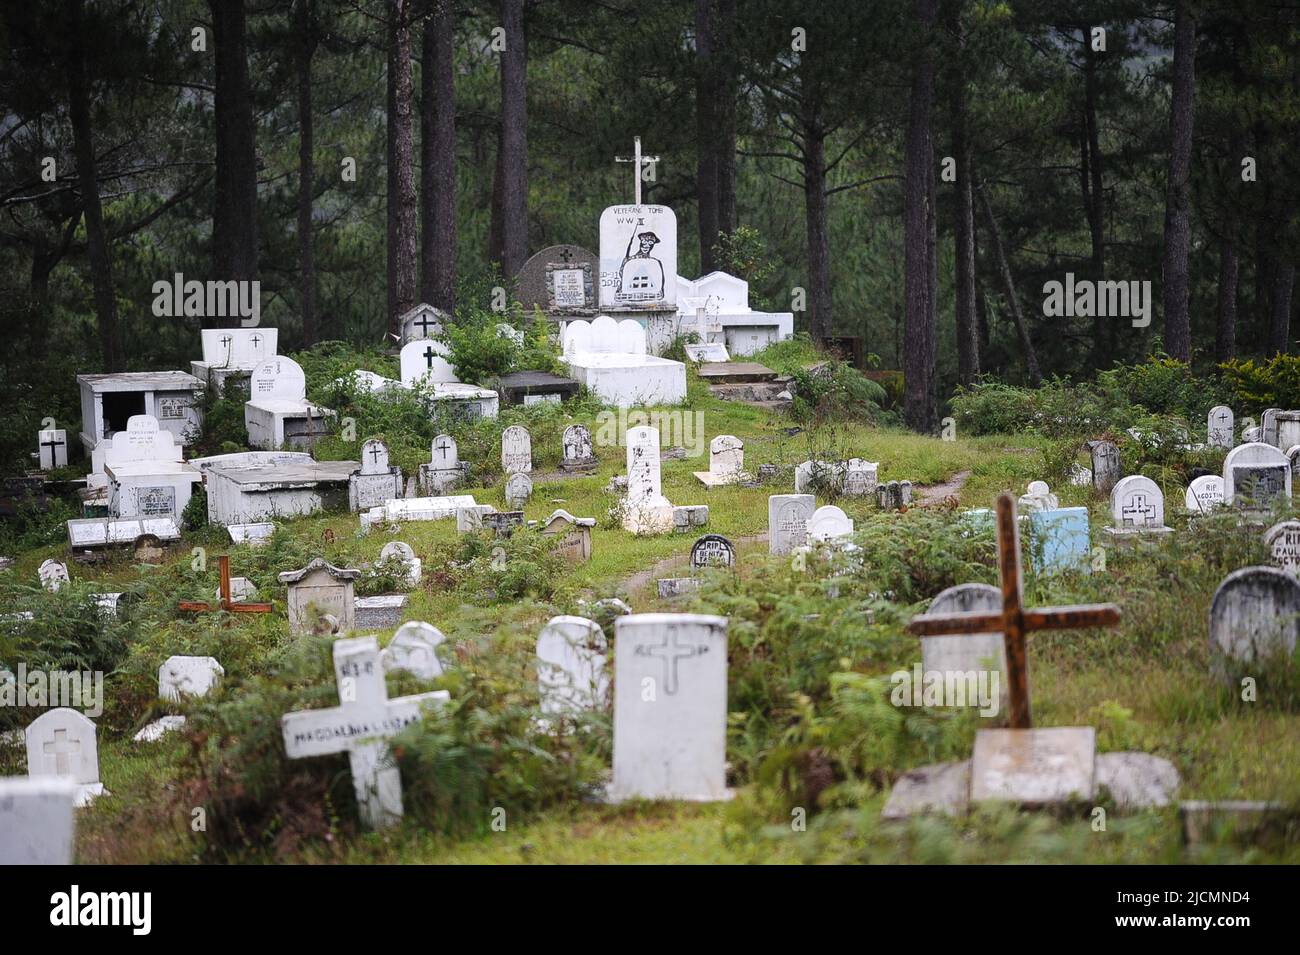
x=226, y=604
x=1014, y=621
x=637, y=161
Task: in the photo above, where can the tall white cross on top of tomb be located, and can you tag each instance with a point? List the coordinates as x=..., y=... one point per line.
x=638, y=161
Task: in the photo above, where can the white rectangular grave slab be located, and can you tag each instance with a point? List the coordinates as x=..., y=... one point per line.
x=181, y=676
x=95, y=533
x=37, y=823
x=725, y=301
x=670, y=708
x=647, y=510
x=248, y=495
x=1218, y=425
x=707, y=352
x=610, y=358
x=425, y=508
x=277, y=413
x=147, y=482
x=787, y=521
x=52, y=446
x=231, y=354
x=254, y=534
x=360, y=726
x=1287, y=424
x=1256, y=477
x=61, y=743
x=109, y=401
x=1034, y=767
x=726, y=462
x=572, y=673
x=426, y=368
x=321, y=589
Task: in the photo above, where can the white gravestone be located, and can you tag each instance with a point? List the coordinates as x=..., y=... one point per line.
x=1268, y=426
x=1038, y=498
x=572, y=672
x=61, y=742
x=53, y=574
x=37, y=822
x=516, y=450
x=1219, y=424
x=648, y=511
x=376, y=482
x=828, y=523
x=813, y=476
x=1204, y=493
x=670, y=707
x=577, y=449
x=973, y=653
x=414, y=649
x=1137, y=506
x=277, y=413
x=726, y=462
x=638, y=257
x=180, y=677
x=1293, y=455
x=1254, y=616
x=1256, y=476
x=519, y=488
x=787, y=521
x=360, y=726
x=401, y=552
x=860, y=477
x=53, y=448
x=423, y=321
x=424, y=361
x=445, y=470
x=321, y=590
x=611, y=359
x=1283, y=543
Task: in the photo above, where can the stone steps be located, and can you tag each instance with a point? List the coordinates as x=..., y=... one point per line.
x=730, y=372
x=761, y=393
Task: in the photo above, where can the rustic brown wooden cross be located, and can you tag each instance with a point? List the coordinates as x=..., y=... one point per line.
x=226, y=604
x=1014, y=621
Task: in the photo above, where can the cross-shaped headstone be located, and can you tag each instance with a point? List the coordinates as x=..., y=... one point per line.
x=1138, y=507
x=670, y=652
x=360, y=726
x=1014, y=622
x=638, y=161
x=62, y=749
x=226, y=603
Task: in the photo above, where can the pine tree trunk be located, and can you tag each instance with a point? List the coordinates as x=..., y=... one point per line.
x=438, y=157
x=918, y=270
x=1009, y=284
x=818, y=232
x=725, y=110
x=402, y=208
x=514, y=140
x=706, y=132
x=1178, y=336
x=101, y=266
x=304, y=50
x=968, y=355
x=234, y=220
x=1225, y=339
x=1280, y=329
x=1094, y=197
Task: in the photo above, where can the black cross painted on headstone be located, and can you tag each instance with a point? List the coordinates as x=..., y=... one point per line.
x=428, y=356
x=256, y=340
x=566, y=255
x=1223, y=416
x=444, y=447
x=670, y=651
x=1138, y=507
x=423, y=324
x=52, y=444
x=375, y=452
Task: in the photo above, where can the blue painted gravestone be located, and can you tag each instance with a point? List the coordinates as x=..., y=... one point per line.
x=1061, y=540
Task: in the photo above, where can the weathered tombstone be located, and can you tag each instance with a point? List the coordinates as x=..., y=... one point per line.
x=1204, y=493
x=360, y=726
x=860, y=477
x=572, y=671
x=180, y=676
x=61, y=742
x=1038, y=498
x=960, y=654
x=1137, y=506
x=606, y=611
x=519, y=488
x=277, y=413
x=577, y=453
x=422, y=322
x=1283, y=543
x=328, y=589
x=1268, y=426
x=401, y=553
x=1287, y=424
x=648, y=511
x=254, y=534
x=144, y=475
x=787, y=521
x=813, y=476
x=470, y=519
x=36, y=821
x=414, y=649
x=53, y=574
x=670, y=708
x=503, y=523
x=1105, y=465
x=726, y=462
x=445, y=471
x=242, y=590
x=561, y=281
x=828, y=523
x=1219, y=423
x=424, y=362
x=574, y=534
x=1061, y=538
x=53, y=448
x=1256, y=476
x=1252, y=435
x=894, y=495
x=516, y=450
x=1254, y=617
x=712, y=550
x=376, y=482
x=1293, y=455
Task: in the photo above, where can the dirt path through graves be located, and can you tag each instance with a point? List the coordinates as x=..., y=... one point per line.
x=644, y=578
x=934, y=493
